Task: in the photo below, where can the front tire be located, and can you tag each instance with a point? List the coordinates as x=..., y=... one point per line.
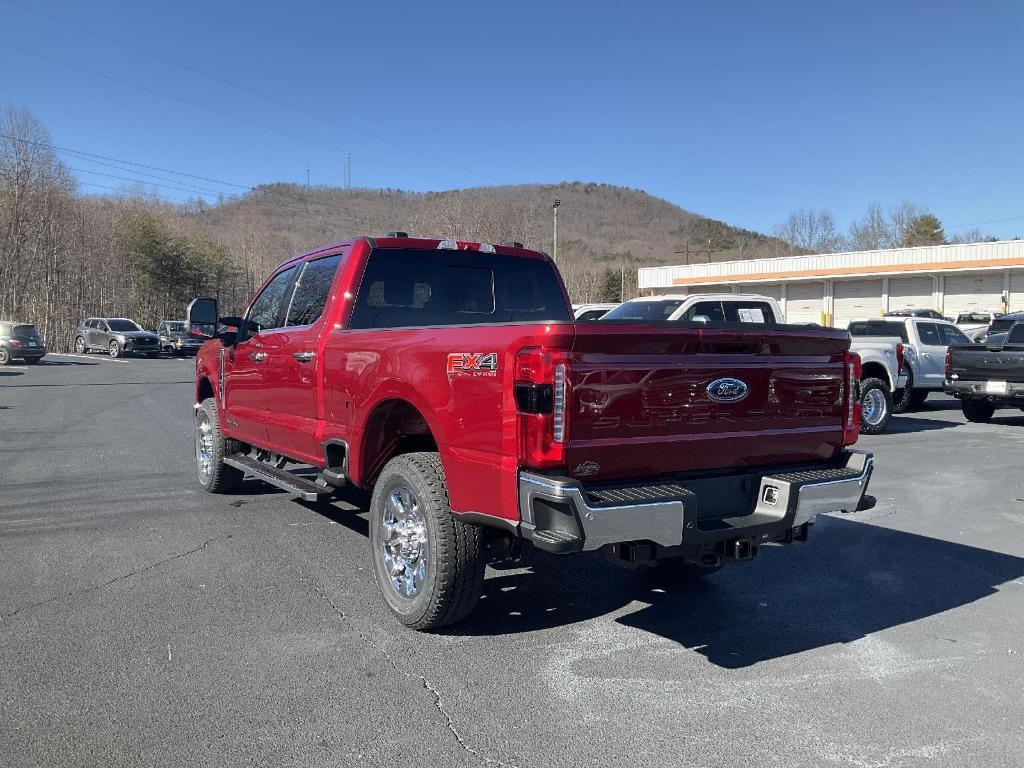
x=80, y=347
x=211, y=447
x=977, y=411
x=901, y=398
x=429, y=566
x=875, y=406
x=115, y=349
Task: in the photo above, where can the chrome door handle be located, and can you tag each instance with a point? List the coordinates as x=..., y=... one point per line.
x=926, y=354
x=258, y=357
x=303, y=357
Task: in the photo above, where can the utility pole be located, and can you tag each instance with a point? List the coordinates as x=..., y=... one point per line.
x=622, y=283
x=554, y=209
x=348, y=170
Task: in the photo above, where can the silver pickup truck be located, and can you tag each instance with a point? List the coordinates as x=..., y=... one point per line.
x=884, y=366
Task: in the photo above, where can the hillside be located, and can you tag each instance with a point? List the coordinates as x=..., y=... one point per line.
x=601, y=227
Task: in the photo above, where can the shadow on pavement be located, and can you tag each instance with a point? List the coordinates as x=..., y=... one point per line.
x=12, y=373
x=904, y=424
x=859, y=579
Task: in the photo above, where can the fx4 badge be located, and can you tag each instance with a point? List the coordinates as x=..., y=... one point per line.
x=473, y=364
x=587, y=468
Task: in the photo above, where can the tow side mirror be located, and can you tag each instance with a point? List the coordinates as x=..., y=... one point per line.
x=202, y=318
x=701, y=319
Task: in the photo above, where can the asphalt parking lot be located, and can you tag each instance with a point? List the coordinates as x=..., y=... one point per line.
x=143, y=622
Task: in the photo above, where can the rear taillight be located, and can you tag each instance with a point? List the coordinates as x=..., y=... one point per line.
x=851, y=410
x=15, y=343
x=899, y=359
x=949, y=362
x=542, y=397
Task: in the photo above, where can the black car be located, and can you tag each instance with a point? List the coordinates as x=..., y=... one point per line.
x=933, y=314
x=20, y=341
x=174, y=338
x=116, y=336
x=999, y=327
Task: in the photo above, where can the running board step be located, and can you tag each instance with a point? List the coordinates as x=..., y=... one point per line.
x=306, y=490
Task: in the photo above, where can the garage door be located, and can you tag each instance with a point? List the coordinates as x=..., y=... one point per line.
x=855, y=299
x=774, y=290
x=709, y=289
x=982, y=291
x=804, y=302
x=1016, y=291
x=910, y=293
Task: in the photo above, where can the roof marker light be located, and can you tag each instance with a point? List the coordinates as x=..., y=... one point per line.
x=448, y=245
x=486, y=248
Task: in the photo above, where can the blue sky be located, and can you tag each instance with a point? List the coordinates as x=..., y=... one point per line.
x=740, y=111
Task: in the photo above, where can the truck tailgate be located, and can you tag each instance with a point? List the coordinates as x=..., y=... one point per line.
x=643, y=404
x=981, y=362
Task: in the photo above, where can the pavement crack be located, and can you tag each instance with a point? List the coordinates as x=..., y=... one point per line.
x=122, y=577
x=438, y=703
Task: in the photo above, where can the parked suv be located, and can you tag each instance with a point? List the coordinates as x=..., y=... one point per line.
x=116, y=336
x=20, y=341
x=924, y=343
x=175, y=340
x=452, y=380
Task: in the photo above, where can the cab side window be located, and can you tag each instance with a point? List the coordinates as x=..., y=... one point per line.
x=267, y=309
x=929, y=334
x=311, y=291
x=953, y=335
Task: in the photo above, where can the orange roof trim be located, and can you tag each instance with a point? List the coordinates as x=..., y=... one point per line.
x=840, y=271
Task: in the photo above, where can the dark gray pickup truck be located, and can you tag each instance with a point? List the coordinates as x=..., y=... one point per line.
x=987, y=376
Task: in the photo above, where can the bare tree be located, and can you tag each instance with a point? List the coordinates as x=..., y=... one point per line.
x=810, y=230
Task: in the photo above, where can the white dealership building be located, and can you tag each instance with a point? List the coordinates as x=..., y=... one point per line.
x=833, y=288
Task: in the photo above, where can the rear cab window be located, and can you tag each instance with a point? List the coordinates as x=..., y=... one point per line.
x=644, y=311
x=894, y=328
x=404, y=288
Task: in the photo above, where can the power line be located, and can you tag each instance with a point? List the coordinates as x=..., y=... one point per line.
x=197, y=105
x=246, y=89
x=982, y=223
x=95, y=158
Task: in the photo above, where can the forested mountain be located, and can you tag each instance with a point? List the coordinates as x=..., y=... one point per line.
x=65, y=255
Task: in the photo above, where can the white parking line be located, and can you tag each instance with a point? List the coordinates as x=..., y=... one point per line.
x=104, y=358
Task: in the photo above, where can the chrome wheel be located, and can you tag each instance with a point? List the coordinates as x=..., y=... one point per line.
x=204, y=444
x=115, y=349
x=80, y=345
x=405, y=545
x=873, y=407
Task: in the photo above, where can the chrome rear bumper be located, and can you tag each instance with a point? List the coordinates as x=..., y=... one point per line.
x=561, y=515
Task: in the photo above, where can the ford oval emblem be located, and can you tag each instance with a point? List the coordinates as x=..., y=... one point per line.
x=728, y=390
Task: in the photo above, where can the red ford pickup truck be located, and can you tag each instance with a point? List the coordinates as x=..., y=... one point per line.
x=450, y=378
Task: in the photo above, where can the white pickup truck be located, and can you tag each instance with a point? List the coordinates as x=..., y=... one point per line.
x=882, y=360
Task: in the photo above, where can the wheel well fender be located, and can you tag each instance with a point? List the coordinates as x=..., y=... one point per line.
x=393, y=426
x=875, y=370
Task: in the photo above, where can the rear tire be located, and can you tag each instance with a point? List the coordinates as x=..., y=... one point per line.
x=211, y=447
x=5, y=356
x=876, y=406
x=429, y=566
x=917, y=397
x=977, y=411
